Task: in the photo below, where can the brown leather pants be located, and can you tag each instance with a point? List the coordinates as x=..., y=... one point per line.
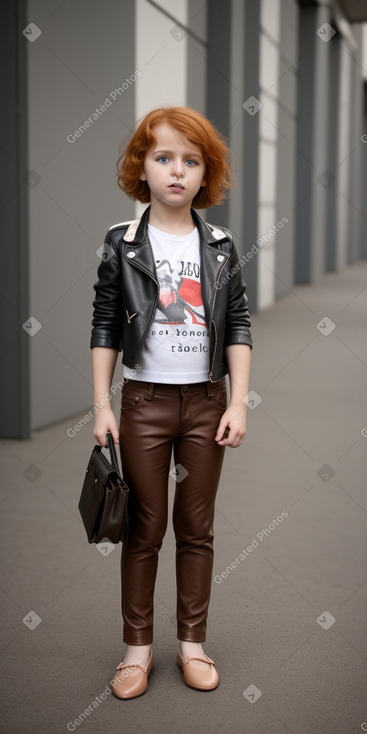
x=155, y=418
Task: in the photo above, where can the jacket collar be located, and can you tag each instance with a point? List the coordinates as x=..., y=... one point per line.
x=137, y=232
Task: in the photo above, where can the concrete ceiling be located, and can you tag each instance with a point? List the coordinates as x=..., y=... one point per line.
x=355, y=10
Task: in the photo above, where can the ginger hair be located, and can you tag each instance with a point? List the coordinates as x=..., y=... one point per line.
x=199, y=131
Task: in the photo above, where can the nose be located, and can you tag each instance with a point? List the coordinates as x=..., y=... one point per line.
x=178, y=173
x=177, y=169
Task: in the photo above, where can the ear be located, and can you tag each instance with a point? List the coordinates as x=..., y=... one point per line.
x=142, y=176
x=203, y=183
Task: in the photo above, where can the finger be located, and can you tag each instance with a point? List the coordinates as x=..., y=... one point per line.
x=228, y=439
x=222, y=433
x=116, y=435
x=235, y=438
x=113, y=430
x=238, y=441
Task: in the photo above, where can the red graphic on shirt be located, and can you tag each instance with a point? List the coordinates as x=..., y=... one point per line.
x=167, y=296
x=180, y=299
x=190, y=291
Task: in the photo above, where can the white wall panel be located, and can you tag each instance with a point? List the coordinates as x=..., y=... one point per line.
x=161, y=58
x=270, y=18
x=269, y=66
x=268, y=120
x=266, y=294
x=267, y=172
x=267, y=217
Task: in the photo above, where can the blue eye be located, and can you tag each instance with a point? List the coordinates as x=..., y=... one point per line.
x=190, y=161
x=162, y=156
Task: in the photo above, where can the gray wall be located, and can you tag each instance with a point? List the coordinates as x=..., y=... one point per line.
x=82, y=55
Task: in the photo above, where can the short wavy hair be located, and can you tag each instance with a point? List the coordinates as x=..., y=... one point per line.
x=199, y=131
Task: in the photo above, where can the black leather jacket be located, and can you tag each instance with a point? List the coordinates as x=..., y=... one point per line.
x=127, y=292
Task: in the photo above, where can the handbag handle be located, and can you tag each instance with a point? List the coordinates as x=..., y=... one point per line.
x=112, y=450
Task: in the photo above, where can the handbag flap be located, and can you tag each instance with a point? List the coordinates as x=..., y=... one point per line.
x=98, y=472
x=103, y=500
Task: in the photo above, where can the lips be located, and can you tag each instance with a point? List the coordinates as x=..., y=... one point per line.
x=176, y=186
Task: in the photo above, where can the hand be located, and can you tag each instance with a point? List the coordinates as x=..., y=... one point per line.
x=105, y=422
x=232, y=426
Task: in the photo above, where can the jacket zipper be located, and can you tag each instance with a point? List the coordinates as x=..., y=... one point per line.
x=140, y=267
x=215, y=349
x=212, y=321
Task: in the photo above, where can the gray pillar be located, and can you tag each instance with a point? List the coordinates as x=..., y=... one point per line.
x=358, y=148
x=233, y=76
x=218, y=82
x=250, y=158
x=331, y=192
x=313, y=175
x=286, y=158
x=352, y=214
x=363, y=240
x=16, y=181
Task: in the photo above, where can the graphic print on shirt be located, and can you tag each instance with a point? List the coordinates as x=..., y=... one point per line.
x=180, y=298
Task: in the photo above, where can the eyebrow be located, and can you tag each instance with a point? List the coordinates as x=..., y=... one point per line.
x=198, y=155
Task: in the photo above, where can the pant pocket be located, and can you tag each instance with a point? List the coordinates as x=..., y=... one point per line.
x=220, y=396
x=130, y=399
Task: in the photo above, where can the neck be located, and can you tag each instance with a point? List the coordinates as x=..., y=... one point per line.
x=175, y=220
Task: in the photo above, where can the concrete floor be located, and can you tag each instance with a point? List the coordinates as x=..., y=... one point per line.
x=289, y=618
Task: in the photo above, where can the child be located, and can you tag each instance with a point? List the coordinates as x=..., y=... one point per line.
x=171, y=298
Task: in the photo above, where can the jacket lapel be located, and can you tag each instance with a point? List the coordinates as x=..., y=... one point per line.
x=139, y=251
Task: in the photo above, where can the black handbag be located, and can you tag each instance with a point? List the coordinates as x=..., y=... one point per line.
x=103, y=503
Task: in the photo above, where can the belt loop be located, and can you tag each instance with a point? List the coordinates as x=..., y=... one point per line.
x=208, y=388
x=150, y=392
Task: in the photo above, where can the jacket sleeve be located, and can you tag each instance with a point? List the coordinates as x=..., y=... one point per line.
x=238, y=324
x=107, y=321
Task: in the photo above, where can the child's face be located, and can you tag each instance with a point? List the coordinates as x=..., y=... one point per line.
x=173, y=160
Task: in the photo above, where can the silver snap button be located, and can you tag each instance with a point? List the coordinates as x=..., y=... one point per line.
x=220, y=258
x=131, y=254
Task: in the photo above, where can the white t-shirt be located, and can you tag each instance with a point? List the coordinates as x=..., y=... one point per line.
x=176, y=349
